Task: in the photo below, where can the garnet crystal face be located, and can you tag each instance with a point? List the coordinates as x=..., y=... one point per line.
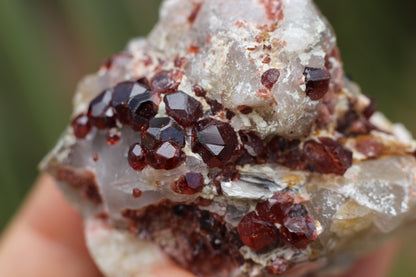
x=185, y=109
x=215, y=141
x=275, y=209
x=163, y=129
x=81, y=126
x=143, y=107
x=327, y=156
x=189, y=184
x=270, y=77
x=256, y=233
x=136, y=157
x=317, y=82
x=122, y=93
x=100, y=113
x=167, y=155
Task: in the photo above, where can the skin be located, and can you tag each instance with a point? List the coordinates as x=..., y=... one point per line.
x=45, y=239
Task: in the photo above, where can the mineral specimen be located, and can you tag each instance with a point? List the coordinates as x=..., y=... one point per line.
x=229, y=142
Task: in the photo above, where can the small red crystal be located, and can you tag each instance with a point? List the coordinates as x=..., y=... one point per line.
x=167, y=155
x=166, y=81
x=137, y=193
x=370, y=109
x=275, y=209
x=185, y=109
x=270, y=77
x=327, y=156
x=317, y=82
x=256, y=233
x=251, y=143
x=215, y=141
x=81, y=126
x=299, y=231
x=100, y=113
x=163, y=129
x=369, y=146
x=136, y=157
x=245, y=109
x=189, y=184
x=113, y=137
x=215, y=105
x=199, y=91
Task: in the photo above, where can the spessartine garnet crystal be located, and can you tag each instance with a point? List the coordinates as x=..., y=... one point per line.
x=229, y=143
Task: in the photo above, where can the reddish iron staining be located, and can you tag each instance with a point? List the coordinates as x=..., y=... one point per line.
x=252, y=48
x=200, y=241
x=263, y=93
x=245, y=109
x=185, y=109
x=163, y=129
x=194, y=13
x=166, y=155
x=266, y=60
x=193, y=49
x=215, y=141
x=136, y=157
x=137, y=193
x=166, y=81
x=189, y=184
x=113, y=137
x=81, y=126
x=299, y=231
x=274, y=9
x=101, y=115
x=199, y=91
x=278, y=266
x=317, y=82
x=180, y=62
x=369, y=146
x=270, y=77
x=275, y=209
x=83, y=180
x=257, y=233
x=327, y=156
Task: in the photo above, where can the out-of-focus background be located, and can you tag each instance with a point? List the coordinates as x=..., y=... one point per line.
x=46, y=46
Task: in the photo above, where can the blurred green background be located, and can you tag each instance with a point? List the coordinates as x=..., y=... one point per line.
x=46, y=46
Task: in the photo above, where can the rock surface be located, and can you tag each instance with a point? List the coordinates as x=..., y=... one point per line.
x=230, y=142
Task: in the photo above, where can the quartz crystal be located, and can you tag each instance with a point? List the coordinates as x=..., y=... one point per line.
x=230, y=143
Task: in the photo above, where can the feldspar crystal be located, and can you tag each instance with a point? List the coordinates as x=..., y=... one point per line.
x=229, y=142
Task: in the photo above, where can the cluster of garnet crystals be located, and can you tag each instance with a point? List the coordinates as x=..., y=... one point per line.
x=297, y=227
x=162, y=139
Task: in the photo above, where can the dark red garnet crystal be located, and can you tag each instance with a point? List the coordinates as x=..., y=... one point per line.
x=122, y=93
x=185, y=109
x=317, y=82
x=215, y=141
x=299, y=231
x=81, y=126
x=189, y=184
x=100, y=113
x=136, y=157
x=270, y=77
x=275, y=209
x=166, y=155
x=166, y=81
x=143, y=107
x=163, y=129
x=257, y=233
x=327, y=156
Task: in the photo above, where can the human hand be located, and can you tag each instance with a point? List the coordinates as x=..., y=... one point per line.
x=45, y=239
